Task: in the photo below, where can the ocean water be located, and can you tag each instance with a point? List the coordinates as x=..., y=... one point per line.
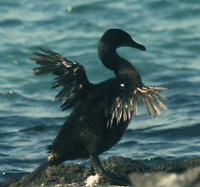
x=29, y=115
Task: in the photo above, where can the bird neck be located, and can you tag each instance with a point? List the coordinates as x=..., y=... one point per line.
x=111, y=60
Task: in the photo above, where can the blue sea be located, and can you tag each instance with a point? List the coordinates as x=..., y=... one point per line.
x=30, y=117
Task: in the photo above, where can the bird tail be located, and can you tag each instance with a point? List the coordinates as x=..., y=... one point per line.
x=37, y=172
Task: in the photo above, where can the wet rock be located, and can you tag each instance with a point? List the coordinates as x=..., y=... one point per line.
x=170, y=174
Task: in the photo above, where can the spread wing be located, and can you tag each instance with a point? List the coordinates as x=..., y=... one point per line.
x=70, y=75
x=123, y=105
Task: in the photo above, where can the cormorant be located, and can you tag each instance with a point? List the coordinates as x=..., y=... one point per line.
x=101, y=112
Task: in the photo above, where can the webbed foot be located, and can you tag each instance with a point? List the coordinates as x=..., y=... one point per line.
x=115, y=179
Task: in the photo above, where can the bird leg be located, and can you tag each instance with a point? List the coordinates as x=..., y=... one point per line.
x=116, y=179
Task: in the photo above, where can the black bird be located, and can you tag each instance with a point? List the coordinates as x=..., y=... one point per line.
x=101, y=112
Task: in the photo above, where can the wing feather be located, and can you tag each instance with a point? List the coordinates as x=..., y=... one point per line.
x=70, y=75
x=127, y=102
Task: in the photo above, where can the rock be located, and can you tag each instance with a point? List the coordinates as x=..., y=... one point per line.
x=92, y=180
x=170, y=174
x=190, y=178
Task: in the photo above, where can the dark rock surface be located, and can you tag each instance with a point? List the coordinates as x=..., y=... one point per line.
x=182, y=174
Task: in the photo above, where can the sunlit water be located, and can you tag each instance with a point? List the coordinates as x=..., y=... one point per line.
x=30, y=117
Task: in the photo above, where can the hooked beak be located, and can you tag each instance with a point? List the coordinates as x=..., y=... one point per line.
x=138, y=46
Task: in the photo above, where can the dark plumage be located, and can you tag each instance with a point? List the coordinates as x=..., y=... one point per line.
x=101, y=112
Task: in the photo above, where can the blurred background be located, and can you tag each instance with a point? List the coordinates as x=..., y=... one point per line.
x=29, y=115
